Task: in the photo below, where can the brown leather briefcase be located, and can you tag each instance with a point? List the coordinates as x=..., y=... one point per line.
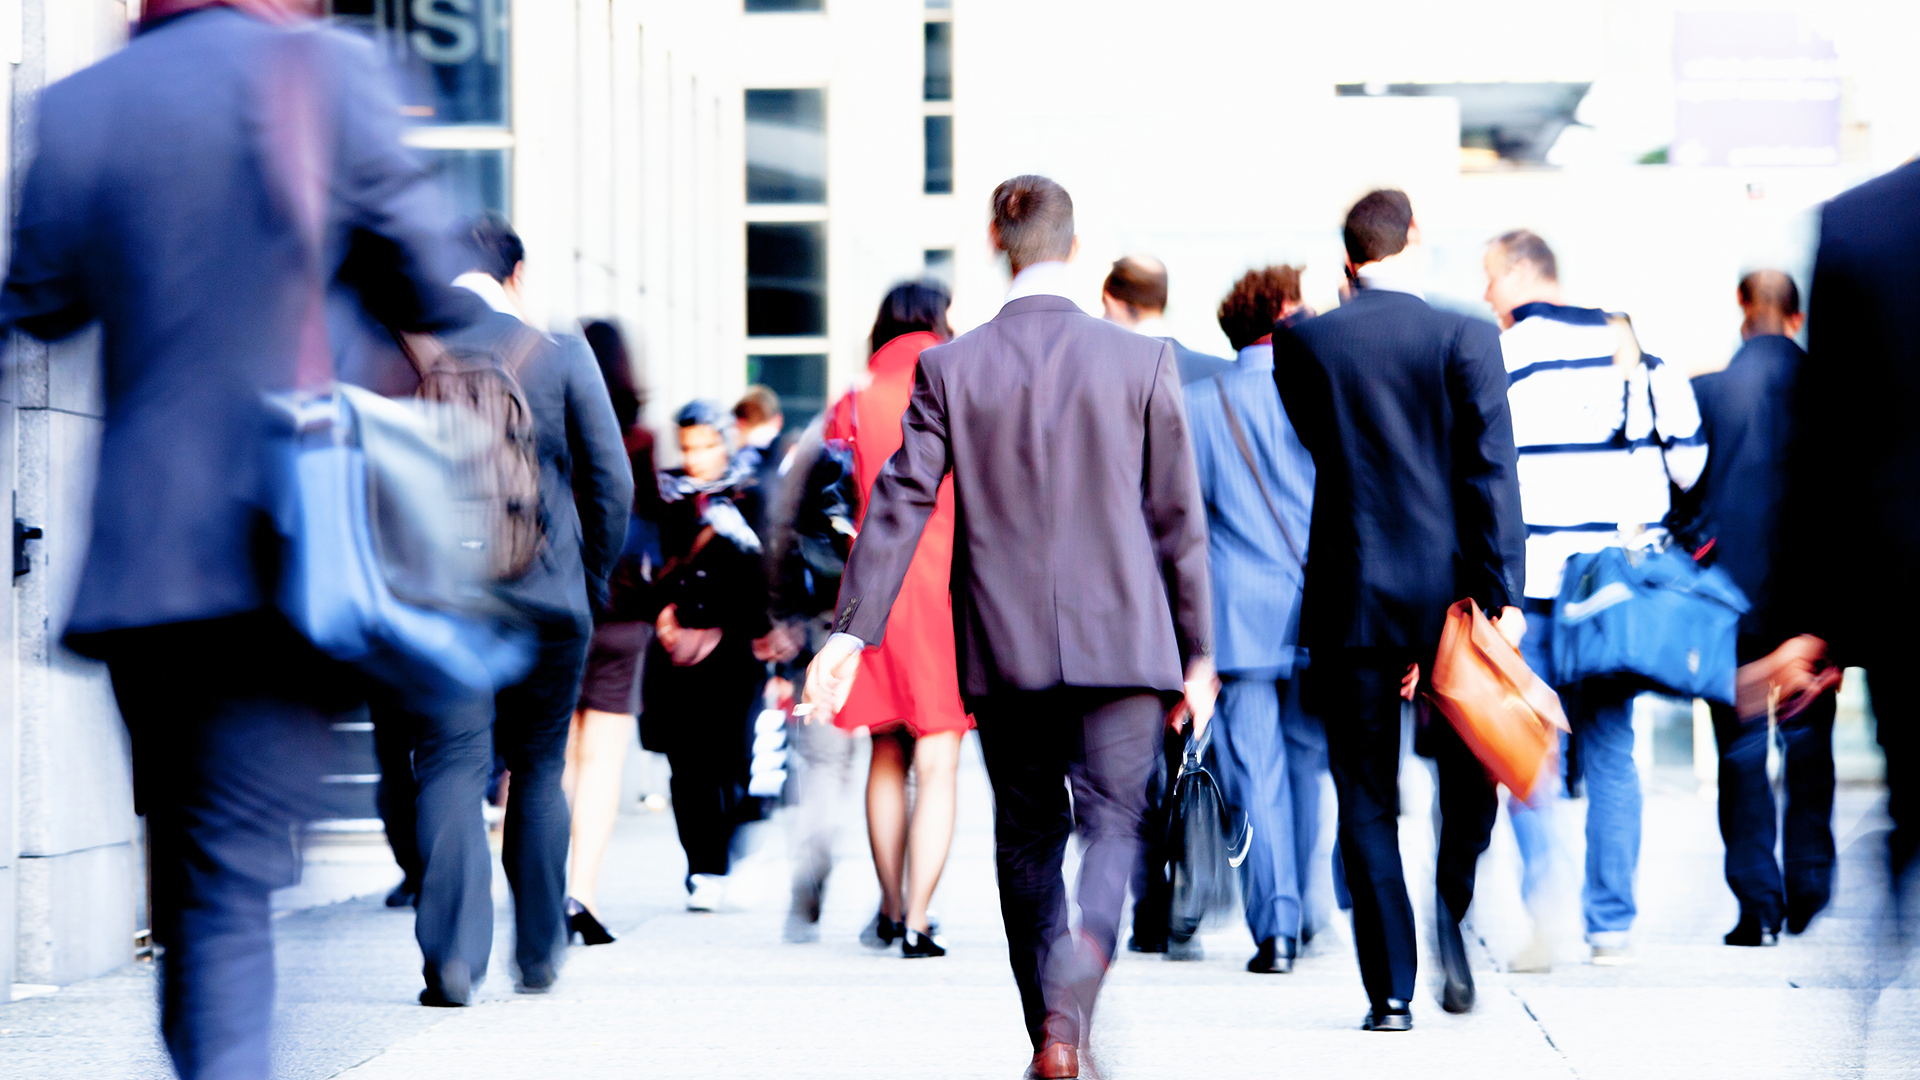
x=1505, y=713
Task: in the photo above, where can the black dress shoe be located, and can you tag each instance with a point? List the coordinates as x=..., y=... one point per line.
x=1274, y=957
x=1751, y=933
x=449, y=985
x=914, y=945
x=882, y=932
x=535, y=978
x=1801, y=910
x=582, y=924
x=1456, y=995
x=405, y=894
x=1390, y=1015
x=1136, y=944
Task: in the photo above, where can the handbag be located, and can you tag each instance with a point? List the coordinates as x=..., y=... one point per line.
x=1652, y=614
x=1505, y=713
x=363, y=490
x=1204, y=846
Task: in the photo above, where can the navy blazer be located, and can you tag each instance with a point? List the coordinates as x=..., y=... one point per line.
x=1416, y=502
x=1746, y=414
x=147, y=209
x=1850, y=568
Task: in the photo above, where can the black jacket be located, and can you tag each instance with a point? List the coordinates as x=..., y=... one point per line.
x=1746, y=414
x=1416, y=501
x=1851, y=524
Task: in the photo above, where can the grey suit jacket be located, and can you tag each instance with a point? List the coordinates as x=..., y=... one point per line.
x=1080, y=553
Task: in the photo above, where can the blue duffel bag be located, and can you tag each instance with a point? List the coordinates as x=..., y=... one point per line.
x=1650, y=613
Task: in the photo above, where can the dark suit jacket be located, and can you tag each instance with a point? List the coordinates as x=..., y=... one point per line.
x=586, y=482
x=1746, y=414
x=147, y=209
x=1416, y=502
x=1081, y=540
x=1195, y=366
x=1851, y=571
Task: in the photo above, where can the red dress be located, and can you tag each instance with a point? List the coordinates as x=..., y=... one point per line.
x=910, y=677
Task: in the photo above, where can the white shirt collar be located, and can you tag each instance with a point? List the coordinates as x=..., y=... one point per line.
x=483, y=286
x=1404, y=272
x=1048, y=278
x=1153, y=326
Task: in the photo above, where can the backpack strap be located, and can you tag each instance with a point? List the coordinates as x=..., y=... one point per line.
x=1246, y=455
x=525, y=341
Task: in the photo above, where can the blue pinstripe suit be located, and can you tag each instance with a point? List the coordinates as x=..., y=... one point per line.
x=1270, y=753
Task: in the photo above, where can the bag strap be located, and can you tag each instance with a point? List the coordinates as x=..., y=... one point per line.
x=526, y=340
x=680, y=562
x=300, y=163
x=1246, y=455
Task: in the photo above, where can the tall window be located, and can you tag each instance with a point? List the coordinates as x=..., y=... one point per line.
x=787, y=279
x=787, y=146
x=800, y=380
x=937, y=94
x=453, y=59
x=782, y=5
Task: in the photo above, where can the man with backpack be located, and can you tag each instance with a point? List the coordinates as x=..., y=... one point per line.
x=562, y=489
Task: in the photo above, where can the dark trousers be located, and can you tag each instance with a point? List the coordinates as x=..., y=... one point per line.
x=1102, y=744
x=1360, y=701
x=1748, y=815
x=393, y=748
x=1897, y=726
x=227, y=721
x=1152, y=887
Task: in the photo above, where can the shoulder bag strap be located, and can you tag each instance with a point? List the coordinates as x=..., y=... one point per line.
x=680, y=562
x=1246, y=455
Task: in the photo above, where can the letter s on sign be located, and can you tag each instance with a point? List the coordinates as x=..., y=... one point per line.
x=456, y=24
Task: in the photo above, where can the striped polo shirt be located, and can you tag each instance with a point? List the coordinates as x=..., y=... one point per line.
x=1596, y=450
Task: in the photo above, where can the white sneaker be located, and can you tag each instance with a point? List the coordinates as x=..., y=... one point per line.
x=1612, y=955
x=1536, y=958
x=705, y=892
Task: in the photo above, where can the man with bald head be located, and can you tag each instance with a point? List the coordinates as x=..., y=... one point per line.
x=1746, y=415
x=1135, y=296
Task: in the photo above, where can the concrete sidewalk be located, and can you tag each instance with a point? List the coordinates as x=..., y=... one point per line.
x=686, y=995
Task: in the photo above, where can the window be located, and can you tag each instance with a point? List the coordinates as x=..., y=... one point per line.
x=937, y=265
x=939, y=155
x=786, y=146
x=800, y=380
x=782, y=5
x=939, y=80
x=475, y=181
x=786, y=279
x=453, y=54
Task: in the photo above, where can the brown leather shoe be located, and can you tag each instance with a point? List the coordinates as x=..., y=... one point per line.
x=1057, y=1061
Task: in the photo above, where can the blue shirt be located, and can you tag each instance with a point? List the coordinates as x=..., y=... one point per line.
x=1257, y=569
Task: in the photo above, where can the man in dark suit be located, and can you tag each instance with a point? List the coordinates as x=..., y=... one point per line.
x=1416, y=504
x=1135, y=296
x=1746, y=413
x=167, y=203
x=1848, y=579
x=586, y=486
x=1079, y=591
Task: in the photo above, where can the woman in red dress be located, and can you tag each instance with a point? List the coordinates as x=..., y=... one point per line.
x=907, y=694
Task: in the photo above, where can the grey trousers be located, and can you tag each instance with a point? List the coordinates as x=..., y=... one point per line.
x=1271, y=755
x=820, y=757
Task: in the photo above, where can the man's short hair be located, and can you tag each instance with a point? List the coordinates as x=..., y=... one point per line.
x=1525, y=246
x=493, y=246
x=757, y=406
x=1377, y=226
x=1138, y=281
x=1256, y=303
x=1034, y=217
x=1773, y=290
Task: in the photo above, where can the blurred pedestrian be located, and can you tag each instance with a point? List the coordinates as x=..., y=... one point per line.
x=603, y=724
x=1847, y=582
x=586, y=487
x=1603, y=430
x=1415, y=506
x=174, y=200
x=1257, y=481
x=761, y=426
x=1135, y=296
x=907, y=694
x=1746, y=412
x=701, y=681
x=1079, y=589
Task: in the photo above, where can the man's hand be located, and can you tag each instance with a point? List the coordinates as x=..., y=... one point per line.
x=1202, y=687
x=1512, y=625
x=1786, y=680
x=781, y=644
x=1410, y=682
x=830, y=678
x=684, y=647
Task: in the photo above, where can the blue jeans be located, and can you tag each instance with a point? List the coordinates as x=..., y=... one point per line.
x=1271, y=756
x=1601, y=713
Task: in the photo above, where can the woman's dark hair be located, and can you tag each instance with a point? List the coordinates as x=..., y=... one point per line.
x=700, y=413
x=910, y=307
x=616, y=367
x=493, y=246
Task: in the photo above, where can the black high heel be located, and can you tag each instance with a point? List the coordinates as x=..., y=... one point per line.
x=882, y=932
x=914, y=945
x=582, y=924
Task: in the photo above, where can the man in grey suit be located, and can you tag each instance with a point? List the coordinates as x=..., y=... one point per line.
x=1079, y=589
x=1135, y=296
